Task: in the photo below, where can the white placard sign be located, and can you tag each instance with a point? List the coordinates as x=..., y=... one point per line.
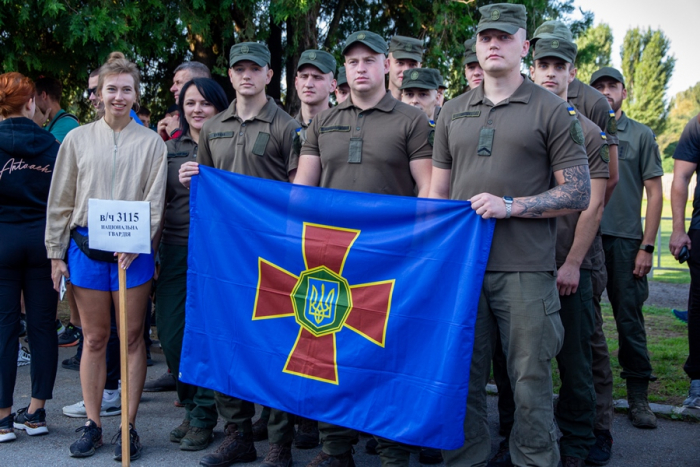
x=121, y=226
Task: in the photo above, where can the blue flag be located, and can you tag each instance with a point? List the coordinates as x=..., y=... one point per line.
x=351, y=308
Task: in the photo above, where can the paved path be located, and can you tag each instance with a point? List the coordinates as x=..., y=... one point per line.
x=674, y=443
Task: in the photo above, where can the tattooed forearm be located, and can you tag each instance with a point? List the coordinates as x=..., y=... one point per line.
x=573, y=195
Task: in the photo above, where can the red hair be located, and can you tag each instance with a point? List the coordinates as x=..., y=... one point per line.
x=15, y=90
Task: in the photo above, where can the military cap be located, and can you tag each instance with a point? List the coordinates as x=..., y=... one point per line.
x=553, y=47
x=253, y=51
x=324, y=61
x=341, y=78
x=402, y=47
x=441, y=80
x=552, y=29
x=422, y=78
x=470, y=49
x=506, y=17
x=607, y=72
x=370, y=39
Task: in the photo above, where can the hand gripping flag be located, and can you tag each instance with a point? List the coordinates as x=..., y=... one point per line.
x=350, y=308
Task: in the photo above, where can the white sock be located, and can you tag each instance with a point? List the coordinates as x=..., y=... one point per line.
x=110, y=395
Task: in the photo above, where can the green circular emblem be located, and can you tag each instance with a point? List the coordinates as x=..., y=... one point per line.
x=576, y=132
x=245, y=49
x=495, y=14
x=555, y=44
x=407, y=47
x=322, y=301
x=361, y=36
x=312, y=56
x=605, y=153
x=474, y=48
x=612, y=125
x=414, y=75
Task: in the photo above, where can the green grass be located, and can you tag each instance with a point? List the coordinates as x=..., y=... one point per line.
x=667, y=259
x=667, y=342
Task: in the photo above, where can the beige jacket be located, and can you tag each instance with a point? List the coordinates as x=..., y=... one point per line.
x=96, y=162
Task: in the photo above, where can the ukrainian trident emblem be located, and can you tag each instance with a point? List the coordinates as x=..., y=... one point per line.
x=322, y=301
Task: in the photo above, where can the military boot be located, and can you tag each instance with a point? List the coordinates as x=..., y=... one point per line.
x=236, y=447
x=280, y=455
x=180, y=431
x=639, y=412
x=197, y=439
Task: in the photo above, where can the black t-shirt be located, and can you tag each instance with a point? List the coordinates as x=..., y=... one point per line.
x=688, y=149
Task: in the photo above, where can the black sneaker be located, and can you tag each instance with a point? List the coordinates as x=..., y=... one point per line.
x=70, y=337
x=23, y=325
x=166, y=382
x=89, y=441
x=72, y=363
x=60, y=328
x=7, y=430
x=34, y=424
x=602, y=449
x=135, y=447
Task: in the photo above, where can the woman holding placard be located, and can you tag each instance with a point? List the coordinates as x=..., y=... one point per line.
x=113, y=159
x=27, y=158
x=200, y=99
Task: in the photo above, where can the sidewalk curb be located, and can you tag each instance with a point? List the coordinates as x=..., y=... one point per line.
x=668, y=412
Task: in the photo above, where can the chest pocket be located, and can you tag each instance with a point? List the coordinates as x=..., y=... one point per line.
x=261, y=143
x=622, y=151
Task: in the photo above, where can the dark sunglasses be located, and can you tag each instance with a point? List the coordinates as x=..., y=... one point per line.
x=92, y=91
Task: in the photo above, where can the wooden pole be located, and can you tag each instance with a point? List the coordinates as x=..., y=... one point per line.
x=124, y=355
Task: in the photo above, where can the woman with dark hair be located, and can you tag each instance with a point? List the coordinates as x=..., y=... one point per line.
x=27, y=157
x=200, y=99
x=112, y=158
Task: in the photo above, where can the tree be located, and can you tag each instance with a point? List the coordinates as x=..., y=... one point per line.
x=594, y=51
x=67, y=40
x=647, y=67
x=683, y=106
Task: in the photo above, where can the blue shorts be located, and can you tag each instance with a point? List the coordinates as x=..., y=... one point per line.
x=98, y=275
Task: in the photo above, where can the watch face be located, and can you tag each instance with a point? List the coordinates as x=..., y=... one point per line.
x=508, y=199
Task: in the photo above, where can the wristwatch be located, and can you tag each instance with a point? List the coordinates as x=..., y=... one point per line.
x=509, y=205
x=647, y=248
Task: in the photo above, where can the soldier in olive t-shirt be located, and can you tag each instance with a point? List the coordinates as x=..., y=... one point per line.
x=501, y=146
x=628, y=248
x=370, y=143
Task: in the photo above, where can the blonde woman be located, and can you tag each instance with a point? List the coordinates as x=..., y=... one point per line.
x=113, y=158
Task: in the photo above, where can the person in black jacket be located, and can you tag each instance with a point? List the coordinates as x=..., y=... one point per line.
x=27, y=157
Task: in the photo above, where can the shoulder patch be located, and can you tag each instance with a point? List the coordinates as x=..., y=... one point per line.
x=605, y=153
x=576, y=132
x=571, y=110
x=471, y=114
x=329, y=129
x=612, y=123
x=220, y=134
x=431, y=138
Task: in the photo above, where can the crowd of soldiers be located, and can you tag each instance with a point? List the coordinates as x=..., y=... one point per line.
x=555, y=160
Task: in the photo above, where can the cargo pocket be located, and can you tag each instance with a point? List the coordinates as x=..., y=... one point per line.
x=552, y=329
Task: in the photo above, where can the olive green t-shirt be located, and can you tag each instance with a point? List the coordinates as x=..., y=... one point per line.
x=594, y=106
x=369, y=150
x=176, y=223
x=639, y=160
x=598, y=158
x=510, y=149
x=259, y=147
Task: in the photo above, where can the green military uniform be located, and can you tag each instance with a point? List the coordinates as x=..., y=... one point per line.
x=258, y=147
x=592, y=104
x=171, y=293
x=369, y=151
x=622, y=234
x=512, y=148
x=576, y=406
